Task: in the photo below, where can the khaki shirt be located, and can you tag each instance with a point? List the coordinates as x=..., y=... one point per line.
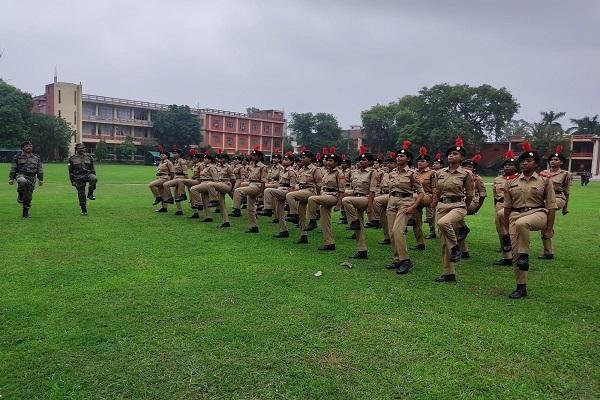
x=180, y=166
x=165, y=169
x=457, y=183
x=288, y=178
x=427, y=180
x=208, y=173
x=479, y=186
x=499, y=186
x=225, y=173
x=535, y=192
x=309, y=177
x=333, y=181
x=197, y=169
x=384, y=186
x=273, y=173
x=561, y=180
x=244, y=169
x=257, y=173
x=364, y=181
x=405, y=181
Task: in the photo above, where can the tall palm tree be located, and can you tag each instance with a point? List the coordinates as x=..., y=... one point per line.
x=585, y=125
x=551, y=117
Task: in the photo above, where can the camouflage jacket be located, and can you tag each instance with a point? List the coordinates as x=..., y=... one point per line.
x=26, y=165
x=80, y=166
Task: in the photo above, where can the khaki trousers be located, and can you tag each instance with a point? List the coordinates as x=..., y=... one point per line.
x=298, y=200
x=380, y=204
x=519, y=227
x=182, y=183
x=549, y=243
x=418, y=228
x=251, y=192
x=447, y=216
x=156, y=186
x=167, y=188
x=326, y=202
x=398, y=220
x=196, y=197
x=275, y=200
x=221, y=189
x=499, y=217
x=355, y=208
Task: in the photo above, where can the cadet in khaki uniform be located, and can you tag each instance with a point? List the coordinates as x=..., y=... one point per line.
x=24, y=169
x=380, y=202
x=164, y=173
x=402, y=205
x=180, y=172
x=332, y=191
x=346, y=168
x=509, y=167
x=436, y=165
x=201, y=192
x=452, y=197
x=426, y=177
x=236, y=164
x=275, y=197
x=374, y=216
x=479, y=195
x=363, y=186
x=309, y=184
x=529, y=205
x=561, y=180
x=197, y=167
x=82, y=171
x=223, y=185
x=257, y=178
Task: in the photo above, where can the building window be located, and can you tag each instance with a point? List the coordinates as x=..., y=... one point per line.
x=59, y=97
x=229, y=141
x=105, y=129
x=254, y=127
x=229, y=123
x=277, y=143
x=277, y=129
x=242, y=125
x=242, y=142
x=123, y=113
x=266, y=143
x=254, y=141
x=75, y=97
x=89, y=128
x=59, y=114
x=75, y=117
x=140, y=114
x=216, y=123
x=105, y=112
x=89, y=109
x=266, y=129
x=139, y=132
x=216, y=139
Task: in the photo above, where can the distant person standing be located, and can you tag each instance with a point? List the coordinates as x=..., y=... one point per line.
x=82, y=172
x=24, y=170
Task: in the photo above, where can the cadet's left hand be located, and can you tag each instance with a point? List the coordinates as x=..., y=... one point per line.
x=565, y=211
x=11, y=181
x=548, y=234
x=40, y=183
x=370, y=210
x=409, y=210
x=337, y=207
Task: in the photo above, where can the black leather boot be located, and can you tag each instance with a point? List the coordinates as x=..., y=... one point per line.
x=265, y=212
x=91, y=195
x=25, y=212
x=404, y=267
x=252, y=229
x=446, y=278
x=157, y=200
x=354, y=226
x=235, y=213
x=312, y=225
x=455, y=254
x=327, y=247
x=506, y=246
x=520, y=292
x=303, y=239
x=83, y=209
x=284, y=234
x=293, y=218
x=360, y=255
x=462, y=233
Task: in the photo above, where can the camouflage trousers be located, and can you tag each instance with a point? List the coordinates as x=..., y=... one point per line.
x=80, y=182
x=26, y=186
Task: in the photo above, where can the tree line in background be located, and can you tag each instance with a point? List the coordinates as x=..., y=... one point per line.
x=434, y=118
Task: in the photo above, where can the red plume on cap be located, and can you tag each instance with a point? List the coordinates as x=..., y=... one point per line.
x=406, y=144
x=318, y=156
x=174, y=146
x=161, y=148
x=392, y=155
x=344, y=156
x=438, y=156
x=476, y=158
x=276, y=150
x=219, y=151
x=380, y=155
x=324, y=151
x=558, y=149
x=509, y=155
x=526, y=146
x=303, y=148
x=206, y=152
x=459, y=141
x=332, y=150
x=256, y=148
x=362, y=150
x=422, y=151
x=289, y=154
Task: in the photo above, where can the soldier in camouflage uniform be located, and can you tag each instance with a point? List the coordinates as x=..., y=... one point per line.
x=24, y=169
x=82, y=171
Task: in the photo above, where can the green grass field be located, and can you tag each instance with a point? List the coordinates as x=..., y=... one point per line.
x=129, y=304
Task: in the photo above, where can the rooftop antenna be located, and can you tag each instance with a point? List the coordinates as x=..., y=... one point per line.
x=55, y=74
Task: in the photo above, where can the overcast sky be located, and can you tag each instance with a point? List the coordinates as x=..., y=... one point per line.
x=340, y=57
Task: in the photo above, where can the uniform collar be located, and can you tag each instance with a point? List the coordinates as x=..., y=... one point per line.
x=535, y=175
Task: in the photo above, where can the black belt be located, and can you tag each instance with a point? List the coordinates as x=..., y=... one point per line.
x=555, y=192
x=284, y=185
x=401, y=194
x=385, y=191
x=329, y=190
x=525, y=209
x=180, y=175
x=162, y=175
x=306, y=186
x=496, y=201
x=205, y=179
x=451, y=199
x=358, y=195
x=255, y=181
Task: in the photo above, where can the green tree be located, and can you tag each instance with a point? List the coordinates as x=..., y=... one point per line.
x=585, y=125
x=316, y=131
x=551, y=117
x=127, y=149
x=287, y=145
x=51, y=136
x=101, y=150
x=518, y=127
x=15, y=115
x=177, y=126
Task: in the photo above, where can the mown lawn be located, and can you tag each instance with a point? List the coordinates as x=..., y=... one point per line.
x=126, y=303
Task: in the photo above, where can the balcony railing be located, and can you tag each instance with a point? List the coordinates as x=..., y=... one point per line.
x=581, y=155
x=119, y=139
x=116, y=120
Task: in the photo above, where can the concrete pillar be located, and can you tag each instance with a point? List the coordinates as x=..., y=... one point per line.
x=595, y=155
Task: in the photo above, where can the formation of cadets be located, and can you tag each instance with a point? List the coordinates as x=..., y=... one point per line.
x=394, y=193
